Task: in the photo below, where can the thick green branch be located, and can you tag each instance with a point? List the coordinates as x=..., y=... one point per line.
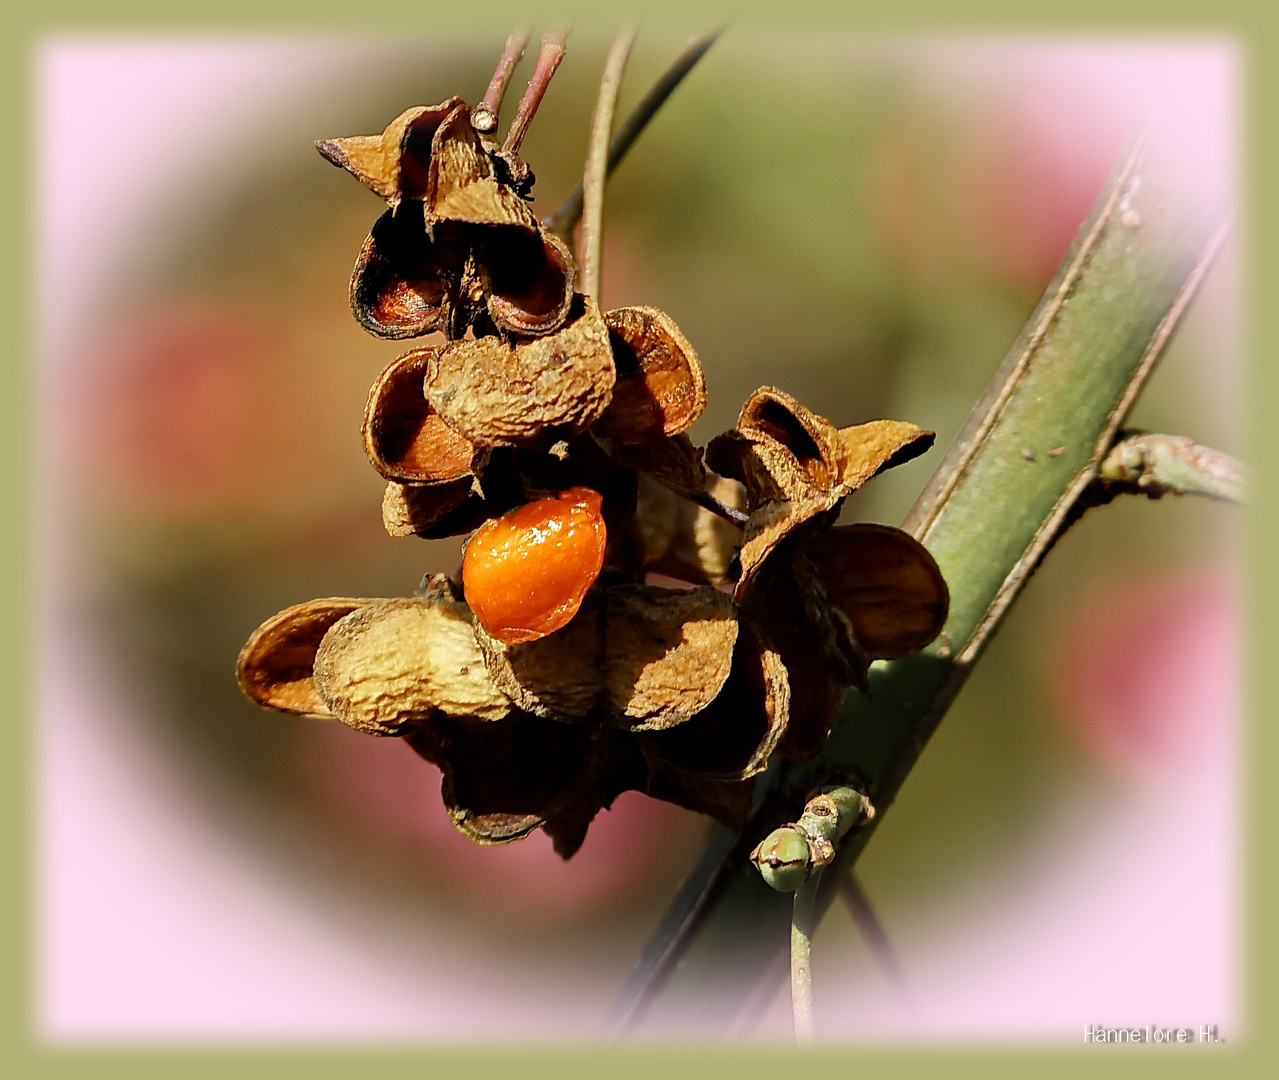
x=996, y=503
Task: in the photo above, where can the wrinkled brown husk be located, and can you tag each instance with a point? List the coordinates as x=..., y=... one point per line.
x=504, y=779
x=462, y=185
x=402, y=281
x=403, y=437
x=734, y=737
x=397, y=159
x=675, y=462
x=815, y=644
x=886, y=583
x=668, y=653
x=796, y=466
x=660, y=388
x=432, y=511
x=275, y=668
x=393, y=664
x=527, y=280
x=559, y=676
x=531, y=394
x=727, y=801
x=683, y=540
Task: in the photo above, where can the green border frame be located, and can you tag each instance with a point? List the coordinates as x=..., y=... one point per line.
x=19, y=1048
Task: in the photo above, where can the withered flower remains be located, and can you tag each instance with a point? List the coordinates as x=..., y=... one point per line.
x=549, y=675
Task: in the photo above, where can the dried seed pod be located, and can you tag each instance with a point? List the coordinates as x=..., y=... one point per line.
x=462, y=184
x=798, y=468
x=674, y=462
x=403, y=280
x=660, y=389
x=531, y=394
x=677, y=537
x=525, y=573
x=727, y=801
x=275, y=667
x=393, y=664
x=395, y=163
x=668, y=653
x=816, y=644
x=733, y=738
x=886, y=583
x=527, y=280
x=502, y=778
x=433, y=511
x=560, y=676
x=403, y=436
x=506, y=778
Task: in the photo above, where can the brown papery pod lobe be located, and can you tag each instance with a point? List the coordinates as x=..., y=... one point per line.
x=733, y=738
x=558, y=676
x=432, y=511
x=810, y=441
x=668, y=653
x=503, y=778
x=526, y=572
x=376, y=160
x=810, y=635
x=886, y=583
x=403, y=436
x=868, y=449
x=402, y=281
x=683, y=540
x=660, y=388
x=462, y=185
x=396, y=663
x=276, y=666
x=727, y=801
x=527, y=280
x=675, y=462
x=532, y=394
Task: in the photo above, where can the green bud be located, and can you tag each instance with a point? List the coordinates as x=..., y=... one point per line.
x=783, y=858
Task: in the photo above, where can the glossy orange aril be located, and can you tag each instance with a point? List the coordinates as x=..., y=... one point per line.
x=526, y=572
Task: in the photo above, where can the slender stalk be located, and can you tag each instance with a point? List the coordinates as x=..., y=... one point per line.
x=1067, y=383
x=590, y=249
x=801, y=973
x=1157, y=465
x=548, y=59
x=484, y=117
x=564, y=218
x=730, y=514
x=872, y=930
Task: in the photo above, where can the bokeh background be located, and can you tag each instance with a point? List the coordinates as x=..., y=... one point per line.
x=864, y=222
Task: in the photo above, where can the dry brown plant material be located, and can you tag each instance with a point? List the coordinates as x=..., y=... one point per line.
x=552, y=677
x=533, y=393
x=404, y=438
x=275, y=666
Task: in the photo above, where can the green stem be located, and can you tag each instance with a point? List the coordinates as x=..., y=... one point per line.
x=801, y=973
x=592, y=239
x=564, y=218
x=988, y=516
x=1157, y=465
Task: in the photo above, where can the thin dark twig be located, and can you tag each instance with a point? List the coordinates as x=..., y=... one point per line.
x=565, y=216
x=484, y=118
x=708, y=501
x=590, y=249
x=548, y=59
x=872, y=930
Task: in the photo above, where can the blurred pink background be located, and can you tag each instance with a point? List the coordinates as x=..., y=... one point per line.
x=170, y=909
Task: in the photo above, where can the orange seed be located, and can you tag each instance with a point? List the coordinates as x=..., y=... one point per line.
x=526, y=572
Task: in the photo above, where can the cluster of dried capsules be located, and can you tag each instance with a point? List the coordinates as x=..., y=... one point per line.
x=549, y=676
